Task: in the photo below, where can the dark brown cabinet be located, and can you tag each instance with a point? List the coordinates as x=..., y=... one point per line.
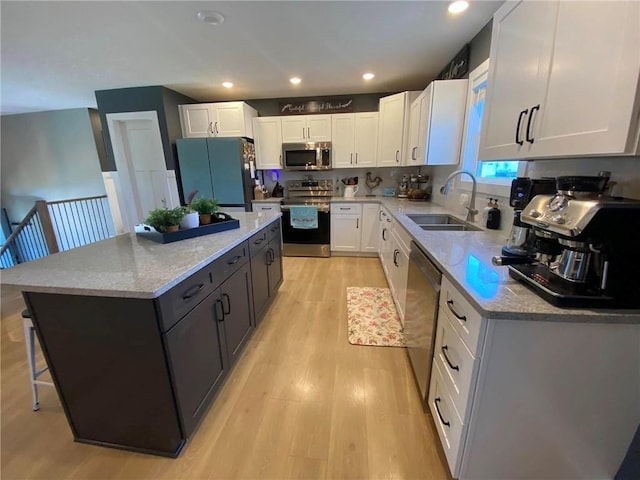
x=266, y=268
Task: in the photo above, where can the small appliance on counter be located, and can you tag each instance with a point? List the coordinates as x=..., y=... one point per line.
x=586, y=246
x=403, y=187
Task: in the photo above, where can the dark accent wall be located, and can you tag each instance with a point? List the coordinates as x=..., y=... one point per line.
x=362, y=102
x=480, y=46
x=142, y=99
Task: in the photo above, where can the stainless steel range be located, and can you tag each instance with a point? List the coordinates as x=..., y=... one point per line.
x=307, y=242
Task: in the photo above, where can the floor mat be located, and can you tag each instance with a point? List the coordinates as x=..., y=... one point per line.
x=372, y=318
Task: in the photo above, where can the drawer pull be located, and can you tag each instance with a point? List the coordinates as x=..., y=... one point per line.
x=220, y=317
x=444, y=422
x=235, y=260
x=259, y=241
x=395, y=257
x=345, y=208
x=445, y=348
x=456, y=314
x=192, y=292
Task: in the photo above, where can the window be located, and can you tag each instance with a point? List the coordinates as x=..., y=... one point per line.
x=492, y=177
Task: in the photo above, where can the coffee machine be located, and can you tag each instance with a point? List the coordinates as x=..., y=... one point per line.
x=587, y=246
x=522, y=239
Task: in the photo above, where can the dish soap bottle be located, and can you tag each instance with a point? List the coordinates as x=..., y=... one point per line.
x=493, y=216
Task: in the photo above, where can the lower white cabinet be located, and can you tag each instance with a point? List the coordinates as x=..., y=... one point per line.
x=265, y=206
x=398, y=273
x=345, y=227
x=370, y=232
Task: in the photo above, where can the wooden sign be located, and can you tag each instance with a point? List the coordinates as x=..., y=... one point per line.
x=343, y=105
x=458, y=67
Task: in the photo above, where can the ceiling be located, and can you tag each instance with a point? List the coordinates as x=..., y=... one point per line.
x=54, y=54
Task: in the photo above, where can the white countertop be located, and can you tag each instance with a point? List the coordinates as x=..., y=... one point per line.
x=129, y=266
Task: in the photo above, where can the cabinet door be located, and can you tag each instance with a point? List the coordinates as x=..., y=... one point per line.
x=441, y=132
x=260, y=282
x=265, y=207
x=193, y=159
x=520, y=55
x=365, y=139
x=198, y=363
x=345, y=232
x=294, y=129
x=275, y=266
x=370, y=237
x=236, y=294
x=401, y=264
x=424, y=128
x=228, y=120
x=342, y=147
x=227, y=174
x=197, y=120
x=268, y=141
x=390, y=130
x=318, y=128
x=592, y=87
x=414, y=131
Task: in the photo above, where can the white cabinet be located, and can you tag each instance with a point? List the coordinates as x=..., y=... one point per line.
x=370, y=232
x=399, y=268
x=557, y=89
x=225, y=119
x=393, y=128
x=385, y=223
x=354, y=139
x=265, y=206
x=345, y=227
x=268, y=142
x=436, y=122
x=306, y=128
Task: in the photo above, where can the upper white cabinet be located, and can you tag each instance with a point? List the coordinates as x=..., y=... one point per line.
x=354, y=139
x=393, y=128
x=436, y=121
x=268, y=142
x=225, y=119
x=306, y=128
x=563, y=80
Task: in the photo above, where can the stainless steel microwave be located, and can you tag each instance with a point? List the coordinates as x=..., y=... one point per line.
x=307, y=156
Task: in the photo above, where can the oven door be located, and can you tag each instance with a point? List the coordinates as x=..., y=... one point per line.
x=306, y=242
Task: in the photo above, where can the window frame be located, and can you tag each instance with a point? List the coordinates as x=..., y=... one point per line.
x=490, y=186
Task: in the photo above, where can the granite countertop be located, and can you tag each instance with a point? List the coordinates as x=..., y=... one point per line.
x=129, y=266
x=465, y=259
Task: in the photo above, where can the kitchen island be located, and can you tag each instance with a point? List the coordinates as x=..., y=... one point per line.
x=140, y=336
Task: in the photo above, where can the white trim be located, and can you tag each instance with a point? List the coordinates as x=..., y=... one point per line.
x=114, y=197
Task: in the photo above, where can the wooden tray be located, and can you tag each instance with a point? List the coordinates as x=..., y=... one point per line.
x=220, y=226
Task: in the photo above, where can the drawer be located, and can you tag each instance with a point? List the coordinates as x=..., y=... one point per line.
x=458, y=366
x=227, y=264
x=274, y=231
x=448, y=424
x=266, y=207
x=258, y=241
x=182, y=298
x=346, y=208
x=465, y=319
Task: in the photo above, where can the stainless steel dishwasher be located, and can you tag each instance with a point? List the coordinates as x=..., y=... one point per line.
x=423, y=291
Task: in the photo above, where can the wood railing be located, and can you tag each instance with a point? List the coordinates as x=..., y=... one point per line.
x=50, y=227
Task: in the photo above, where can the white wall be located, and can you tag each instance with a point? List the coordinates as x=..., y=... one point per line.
x=47, y=156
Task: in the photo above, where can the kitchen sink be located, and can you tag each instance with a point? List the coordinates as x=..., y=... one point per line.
x=442, y=222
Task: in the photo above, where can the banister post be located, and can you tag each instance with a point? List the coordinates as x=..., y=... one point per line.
x=47, y=226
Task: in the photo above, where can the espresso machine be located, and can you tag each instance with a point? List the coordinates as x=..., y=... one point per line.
x=587, y=246
x=521, y=238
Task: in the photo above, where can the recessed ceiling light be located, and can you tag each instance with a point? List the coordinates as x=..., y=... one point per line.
x=227, y=84
x=210, y=17
x=368, y=76
x=458, y=6
x=295, y=80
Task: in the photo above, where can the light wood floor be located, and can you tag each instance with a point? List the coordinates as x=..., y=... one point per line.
x=301, y=402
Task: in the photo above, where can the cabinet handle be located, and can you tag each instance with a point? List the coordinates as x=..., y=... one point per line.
x=259, y=241
x=357, y=223
x=235, y=260
x=220, y=317
x=444, y=422
x=267, y=256
x=380, y=215
x=413, y=153
x=446, y=357
x=303, y=133
x=356, y=158
x=529, y=122
x=267, y=208
x=211, y=127
x=351, y=159
x=456, y=314
x=228, y=311
x=522, y=113
x=384, y=230
x=395, y=257
x=280, y=159
x=345, y=208
x=397, y=153
x=308, y=133
x=192, y=292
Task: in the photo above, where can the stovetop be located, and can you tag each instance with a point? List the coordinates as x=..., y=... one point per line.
x=309, y=192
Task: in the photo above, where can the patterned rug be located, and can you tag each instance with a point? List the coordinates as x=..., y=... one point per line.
x=372, y=318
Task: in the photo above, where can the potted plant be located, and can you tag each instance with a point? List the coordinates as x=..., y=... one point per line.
x=205, y=208
x=191, y=218
x=164, y=219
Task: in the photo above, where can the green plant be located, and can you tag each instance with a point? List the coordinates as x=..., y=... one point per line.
x=204, y=206
x=161, y=218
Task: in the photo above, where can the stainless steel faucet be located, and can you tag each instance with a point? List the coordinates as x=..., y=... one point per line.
x=471, y=209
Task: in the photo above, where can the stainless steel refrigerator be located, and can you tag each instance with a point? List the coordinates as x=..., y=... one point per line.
x=219, y=168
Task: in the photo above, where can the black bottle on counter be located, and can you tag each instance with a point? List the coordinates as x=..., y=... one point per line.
x=493, y=217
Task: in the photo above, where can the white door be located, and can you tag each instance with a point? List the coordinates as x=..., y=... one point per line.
x=414, y=131
x=145, y=182
x=197, y=120
x=318, y=128
x=268, y=141
x=390, y=130
x=370, y=236
x=365, y=139
x=294, y=130
x=345, y=232
x=342, y=152
x=229, y=120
